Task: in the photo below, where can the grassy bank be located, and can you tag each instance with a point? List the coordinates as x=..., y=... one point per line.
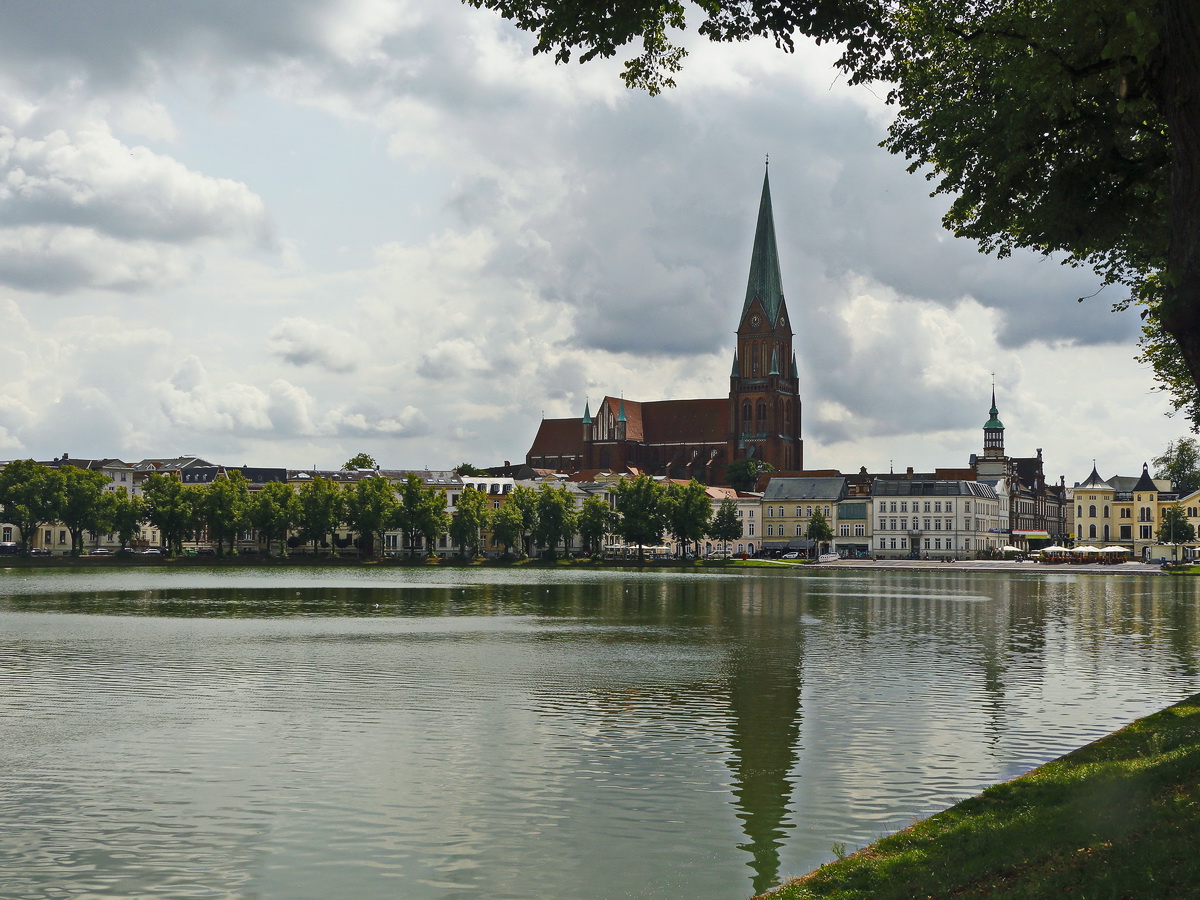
x=1118, y=818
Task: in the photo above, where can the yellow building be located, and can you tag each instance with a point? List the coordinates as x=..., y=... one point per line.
x=1122, y=511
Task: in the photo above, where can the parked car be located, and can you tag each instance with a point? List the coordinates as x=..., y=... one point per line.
x=100, y=551
x=151, y=551
x=39, y=551
x=790, y=555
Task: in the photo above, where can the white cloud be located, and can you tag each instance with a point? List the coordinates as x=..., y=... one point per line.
x=303, y=342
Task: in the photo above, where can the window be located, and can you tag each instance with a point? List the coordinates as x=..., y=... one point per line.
x=937, y=524
x=966, y=543
x=770, y=531
x=966, y=506
x=903, y=506
x=1106, y=511
x=808, y=511
x=798, y=513
x=1126, y=532
x=1126, y=513
x=1091, y=531
x=860, y=530
x=770, y=514
x=826, y=512
x=799, y=532
x=904, y=524
x=750, y=529
x=949, y=506
x=7, y=535
x=927, y=526
x=843, y=530
x=1092, y=511
x=893, y=509
x=926, y=506
x=937, y=544
x=926, y=539
x=1079, y=511
x=949, y=524
x=903, y=543
x=937, y=506
x=62, y=536
x=1146, y=531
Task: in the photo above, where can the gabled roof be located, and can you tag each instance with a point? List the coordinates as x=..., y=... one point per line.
x=558, y=437
x=765, y=283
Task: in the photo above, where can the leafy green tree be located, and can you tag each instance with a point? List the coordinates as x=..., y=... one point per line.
x=471, y=516
x=83, y=505
x=223, y=507
x=507, y=525
x=640, y=519
x=169, y=507
x=1175, y=527
x=1069, y=127
x=525, y=499
x=819, y=529
x=596, y=519
x=1180, y=463
x=322, y=509
x=274, y=511
x=688, y=512
x=726, y=527
x=556, y=519
x=742, y=474
x=466, y=468
x=30, y=496
x=123, y=514
x=371, y=507
x=421, y=512
x=360, y=461
x=433, y=519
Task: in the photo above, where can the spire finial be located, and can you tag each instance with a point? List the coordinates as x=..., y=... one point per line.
x=768, y=160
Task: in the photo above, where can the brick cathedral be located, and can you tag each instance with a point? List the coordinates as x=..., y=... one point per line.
x=698, y=438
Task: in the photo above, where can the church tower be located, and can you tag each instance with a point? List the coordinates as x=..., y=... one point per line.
x=764, y=388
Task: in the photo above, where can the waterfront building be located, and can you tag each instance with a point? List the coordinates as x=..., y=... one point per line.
x=929, y=518
x=760, y=418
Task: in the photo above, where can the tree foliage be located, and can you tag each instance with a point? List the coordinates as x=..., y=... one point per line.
x=556, y=519
x=1175, y=527
x=819, y=529
x=726, y=526
x=525, y=499
x=596, y=519
x=83, y=504
x=360, y=461
x=274, y=511
x=223, y=507
x=30, y=496
x=1067, y=127
x=640, y=519
x=371, y=508
x=508, y=526
x=465, y=468
x=169, y=507
x=322, y=509
x=421, y=513
x=471, y=516
x=1180, y=463
x=742, y=474
x=687, y=512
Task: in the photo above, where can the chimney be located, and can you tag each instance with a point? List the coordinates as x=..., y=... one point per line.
x=909, y=472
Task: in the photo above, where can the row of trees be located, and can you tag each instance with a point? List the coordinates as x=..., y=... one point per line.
x=33, y=495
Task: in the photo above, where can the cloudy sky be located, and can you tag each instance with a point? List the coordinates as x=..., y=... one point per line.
x=282, y=233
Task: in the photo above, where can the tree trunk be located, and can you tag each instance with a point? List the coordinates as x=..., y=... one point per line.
x=1179, y=97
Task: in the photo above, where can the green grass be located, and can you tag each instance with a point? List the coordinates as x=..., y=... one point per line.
x=1119, y=818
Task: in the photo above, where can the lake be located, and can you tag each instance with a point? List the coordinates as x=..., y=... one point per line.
x=446, y=733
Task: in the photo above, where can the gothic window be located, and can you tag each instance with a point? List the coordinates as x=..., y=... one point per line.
x=754, y=359
x=762, y=411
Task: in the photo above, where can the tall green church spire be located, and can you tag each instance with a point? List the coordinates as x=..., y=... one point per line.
x=766, y=282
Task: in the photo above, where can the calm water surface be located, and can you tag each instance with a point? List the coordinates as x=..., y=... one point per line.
x=445, y=734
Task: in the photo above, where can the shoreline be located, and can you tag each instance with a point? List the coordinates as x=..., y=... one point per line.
x=726, y=566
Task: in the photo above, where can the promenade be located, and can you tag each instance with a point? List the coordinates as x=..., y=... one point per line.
x=995, y=565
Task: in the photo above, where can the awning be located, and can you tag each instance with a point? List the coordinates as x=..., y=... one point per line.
x=1031, y=533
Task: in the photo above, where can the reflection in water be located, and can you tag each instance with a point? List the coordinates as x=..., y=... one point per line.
x=437, y=735
x=763, y=674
